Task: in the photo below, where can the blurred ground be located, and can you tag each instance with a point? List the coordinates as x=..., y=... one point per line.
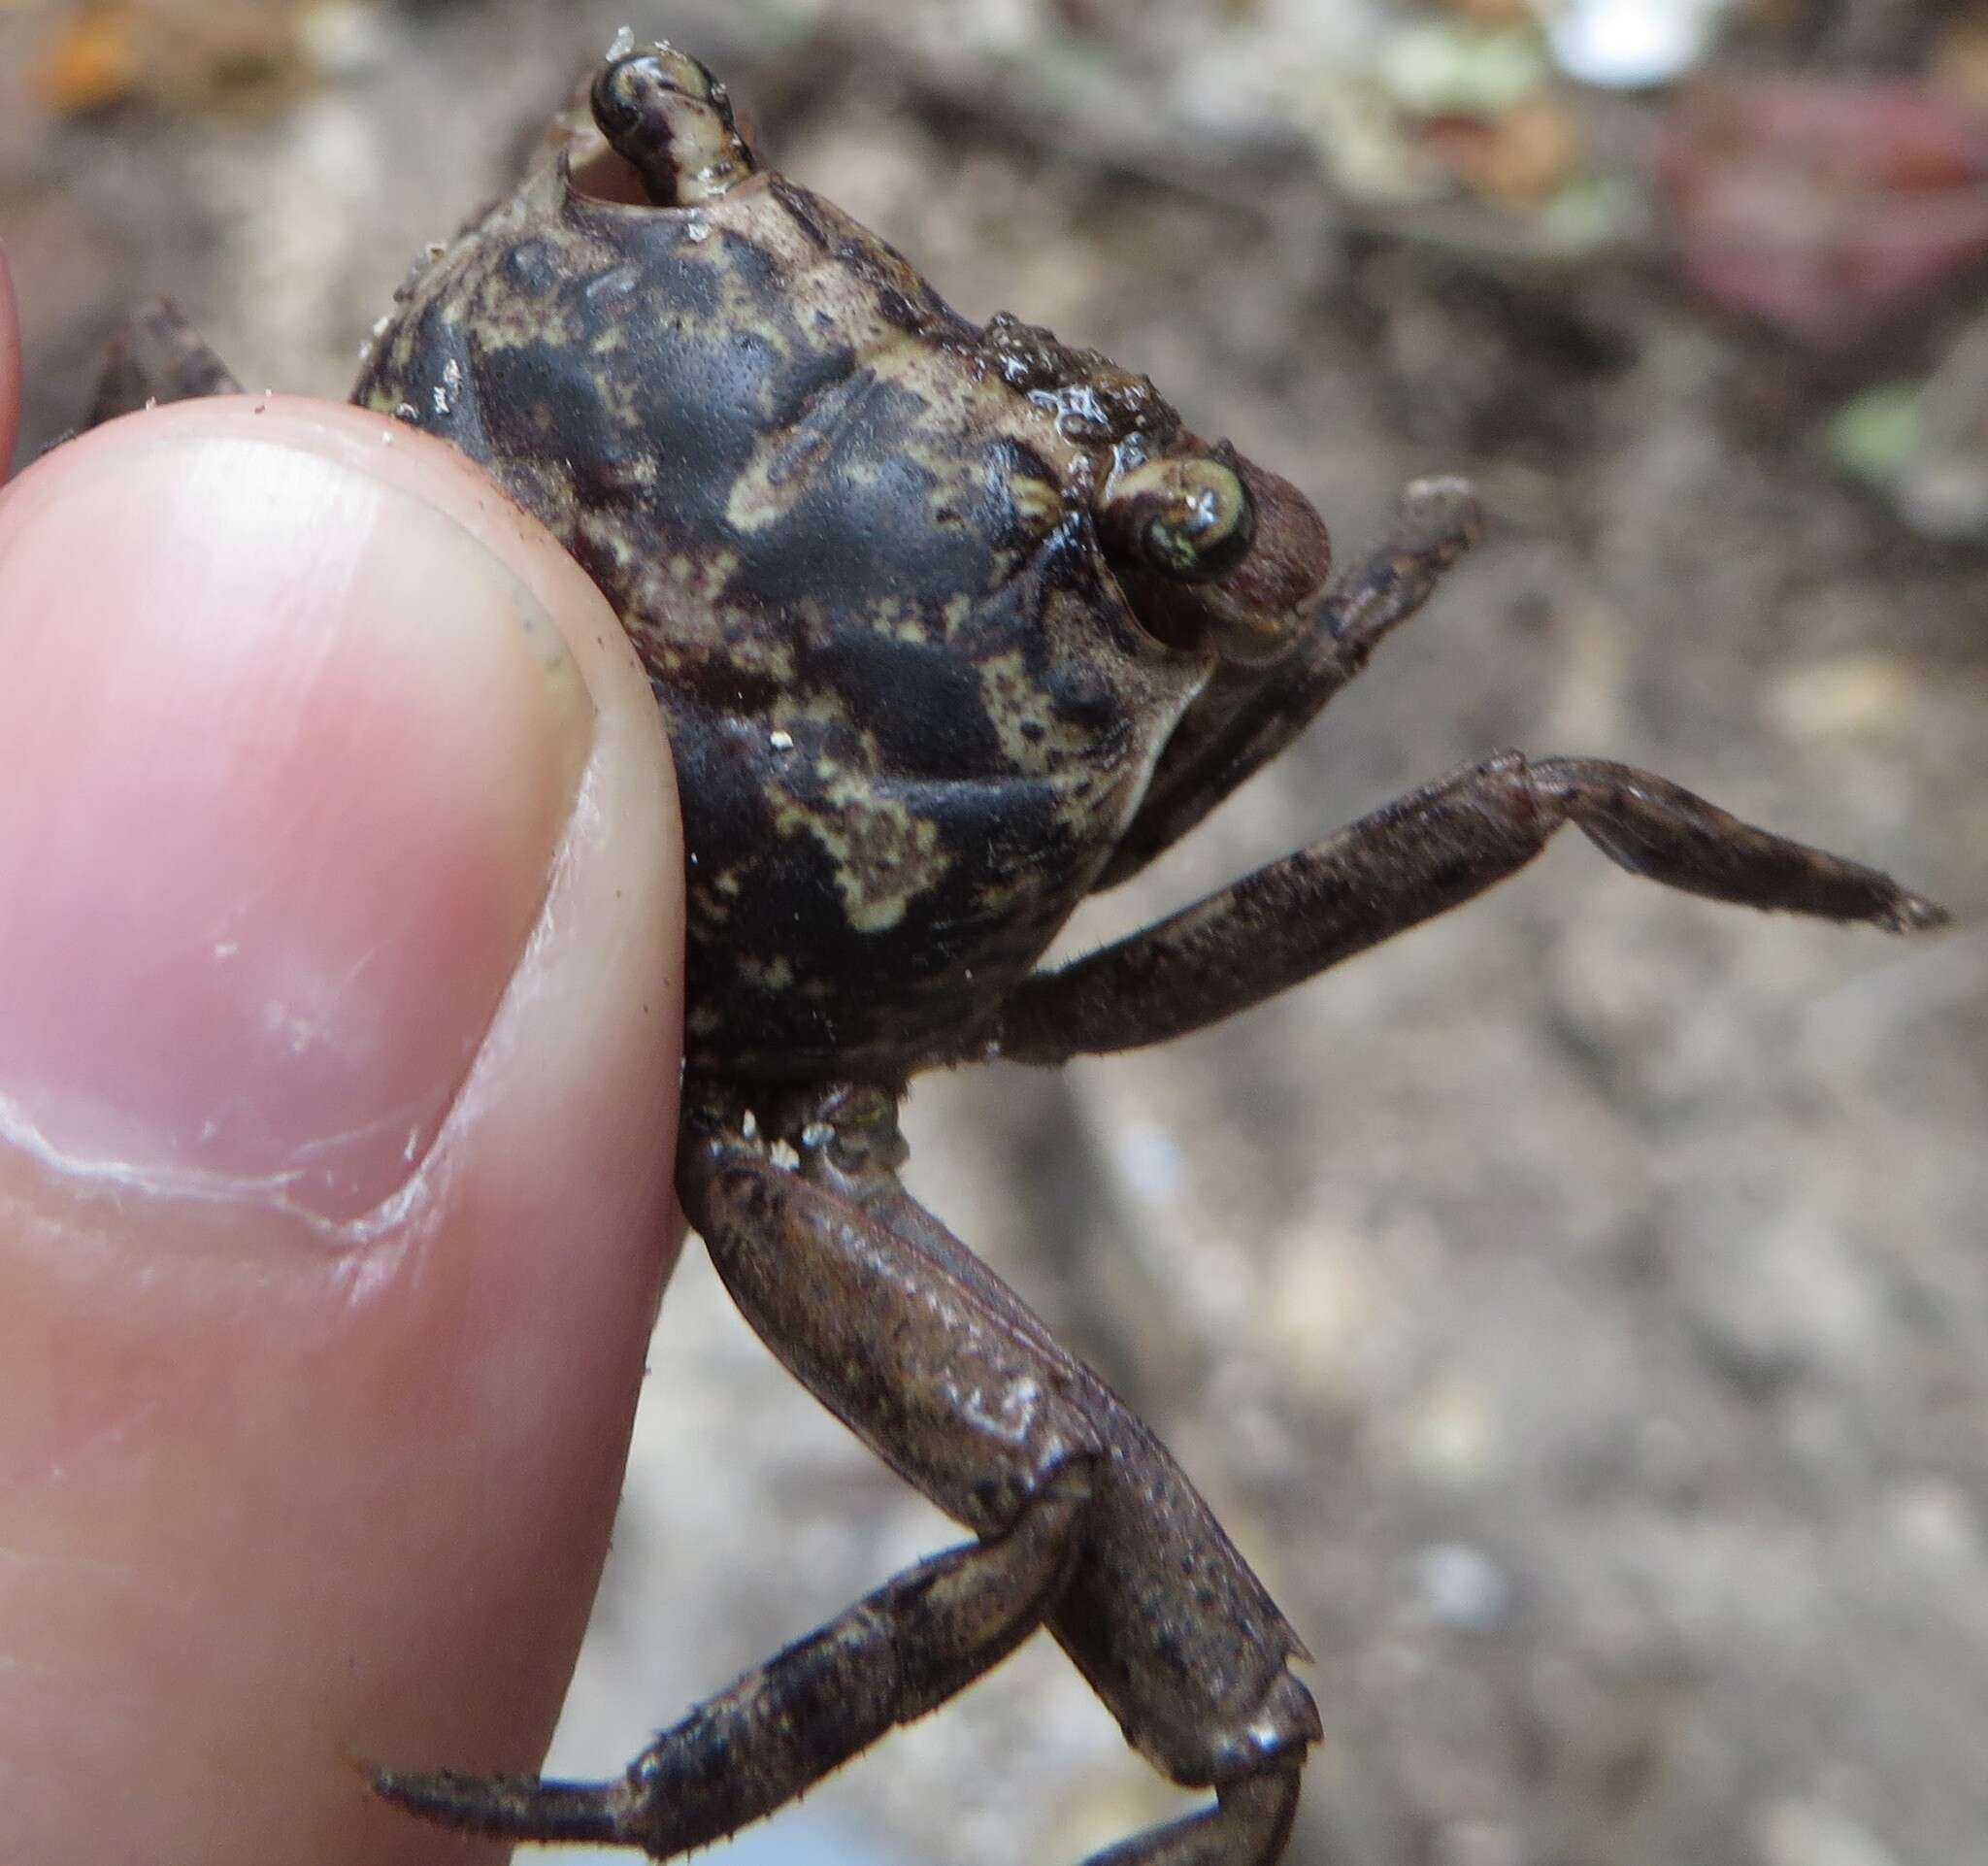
x=1580, y=1309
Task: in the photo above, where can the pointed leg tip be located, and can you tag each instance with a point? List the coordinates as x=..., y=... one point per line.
x=1913, y=913
x=1443, y=509
x=518, y=1808
x=435, y=1794
x=470, y=1804
x=1450, y=487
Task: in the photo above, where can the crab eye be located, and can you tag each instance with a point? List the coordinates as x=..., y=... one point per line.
x=671, y=121
x=1188, y=518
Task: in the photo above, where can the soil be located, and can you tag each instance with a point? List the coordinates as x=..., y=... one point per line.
x=1580, y=1308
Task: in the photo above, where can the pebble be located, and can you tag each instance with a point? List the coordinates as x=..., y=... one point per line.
x=1806, y=1833
x=1461, y=1588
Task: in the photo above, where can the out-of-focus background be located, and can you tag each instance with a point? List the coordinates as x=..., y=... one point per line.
x=1579, y=1310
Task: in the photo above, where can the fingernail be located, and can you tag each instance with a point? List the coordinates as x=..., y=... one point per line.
x=289, y=756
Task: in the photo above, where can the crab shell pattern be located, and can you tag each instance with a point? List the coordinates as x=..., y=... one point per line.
x=914, y=675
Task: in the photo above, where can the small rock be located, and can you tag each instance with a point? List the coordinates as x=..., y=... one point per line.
x=1805, y=1833
x=1461, y=1588
x=1453, y=1435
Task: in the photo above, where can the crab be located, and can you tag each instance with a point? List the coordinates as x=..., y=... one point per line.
x=953, y=626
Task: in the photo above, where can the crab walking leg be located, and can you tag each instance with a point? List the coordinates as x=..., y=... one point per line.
x=888, y=1659
x=1414, y=858
x=1249, y=1823
x=856, y=1313
x=1084, y=1520
x=156, y=356
x=1217, y=746
x=1160, y=1612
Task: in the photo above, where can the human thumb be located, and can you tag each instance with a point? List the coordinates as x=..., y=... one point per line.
x=340, y=950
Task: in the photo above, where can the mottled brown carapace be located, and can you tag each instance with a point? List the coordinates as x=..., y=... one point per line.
x=951, y=624
x=884, y=566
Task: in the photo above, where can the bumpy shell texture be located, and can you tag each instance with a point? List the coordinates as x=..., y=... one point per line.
x=854, y=539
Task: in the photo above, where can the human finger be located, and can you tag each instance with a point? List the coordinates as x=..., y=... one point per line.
x=340, y=935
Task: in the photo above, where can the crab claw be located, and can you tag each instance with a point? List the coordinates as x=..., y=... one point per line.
x=1439, y=519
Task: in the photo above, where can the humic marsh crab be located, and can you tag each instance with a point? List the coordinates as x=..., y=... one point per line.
x=952, y=624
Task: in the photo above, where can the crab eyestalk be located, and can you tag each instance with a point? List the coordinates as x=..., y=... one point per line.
x=671, y=121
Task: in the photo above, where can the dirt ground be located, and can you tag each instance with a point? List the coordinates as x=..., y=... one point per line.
x=1579, y=1309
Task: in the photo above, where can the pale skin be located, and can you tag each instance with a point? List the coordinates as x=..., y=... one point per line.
x=305, y=1464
